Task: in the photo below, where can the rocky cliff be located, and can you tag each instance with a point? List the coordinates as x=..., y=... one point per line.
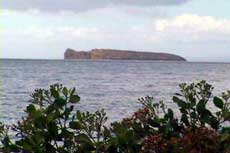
x=120, y=55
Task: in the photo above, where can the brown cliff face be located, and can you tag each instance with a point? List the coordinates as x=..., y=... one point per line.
x=72, y=54
x=120, y=55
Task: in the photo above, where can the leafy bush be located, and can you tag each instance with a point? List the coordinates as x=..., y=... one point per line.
x=52, y=125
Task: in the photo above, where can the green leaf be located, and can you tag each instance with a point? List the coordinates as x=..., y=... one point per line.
x=155, y=122
x=65, y=91
x=74, y=99
x=54, y=93
x=201, y=106
x=214, y=122
x=193, y=115
x=24, y=144
x=79, y=116
x=183, y=111
x=206, y=117
x=75, y=125
x=31, y=108
x=67, y=134
x=218, y=102
x=60, y=102
x=192, y=101
x=184, y=119
x=179, y=102
x=226, y=116
x=175, y=99
x=170, y=113
x=84, y=139
x=68, y=111
x=106, y=132
x=72, y=91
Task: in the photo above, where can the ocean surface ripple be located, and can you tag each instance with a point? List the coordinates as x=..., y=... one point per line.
x=112, y=85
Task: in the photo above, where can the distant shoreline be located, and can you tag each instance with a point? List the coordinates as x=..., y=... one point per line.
x=44, y=59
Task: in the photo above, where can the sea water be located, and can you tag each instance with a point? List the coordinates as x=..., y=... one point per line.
x=109, y=84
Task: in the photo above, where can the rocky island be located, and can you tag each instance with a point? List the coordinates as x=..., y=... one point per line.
x=120, y=55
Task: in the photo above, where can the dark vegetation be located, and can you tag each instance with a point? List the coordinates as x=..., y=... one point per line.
x=52, y=125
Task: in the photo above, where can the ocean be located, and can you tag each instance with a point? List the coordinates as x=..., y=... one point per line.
x=112, y=85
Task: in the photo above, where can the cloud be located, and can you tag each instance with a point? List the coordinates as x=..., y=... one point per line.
x=190, y=35
x=50, y=33
x=81, y=5
x=194, y=28
x=194, y=23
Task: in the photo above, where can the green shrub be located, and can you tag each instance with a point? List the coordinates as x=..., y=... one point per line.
x=53, y=125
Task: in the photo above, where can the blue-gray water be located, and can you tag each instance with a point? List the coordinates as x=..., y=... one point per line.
x=113, y=85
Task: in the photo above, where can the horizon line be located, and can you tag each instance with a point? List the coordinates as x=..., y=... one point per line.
x=62, y=59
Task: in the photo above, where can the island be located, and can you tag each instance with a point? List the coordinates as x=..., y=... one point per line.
x=112, y=54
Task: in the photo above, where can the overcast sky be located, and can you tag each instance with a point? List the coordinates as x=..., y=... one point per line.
x=199, y=30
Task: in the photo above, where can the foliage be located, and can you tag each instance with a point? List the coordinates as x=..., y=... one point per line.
x=53, y=125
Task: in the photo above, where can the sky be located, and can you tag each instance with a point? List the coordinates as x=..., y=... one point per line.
x=198, y=30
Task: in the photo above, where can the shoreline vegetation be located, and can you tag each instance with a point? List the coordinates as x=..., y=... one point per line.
x=53, y=125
